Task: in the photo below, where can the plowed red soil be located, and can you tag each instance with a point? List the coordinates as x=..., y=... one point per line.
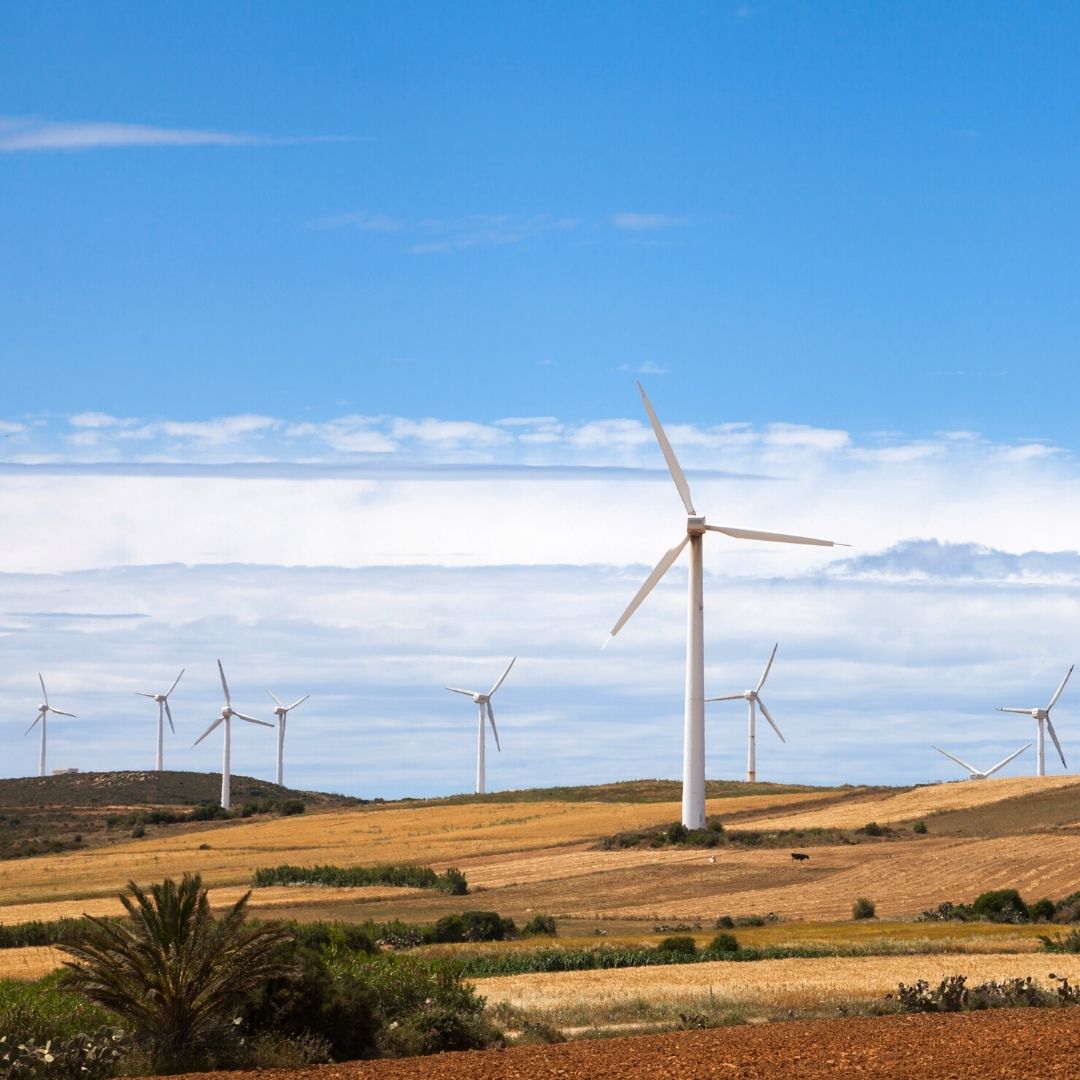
x=1014, y=1043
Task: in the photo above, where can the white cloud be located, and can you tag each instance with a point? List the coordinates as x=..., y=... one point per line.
x=805, y=437
x=646, y=368
x=10, y=427
x=97, y=420
x=30, y=134
x=637, y=222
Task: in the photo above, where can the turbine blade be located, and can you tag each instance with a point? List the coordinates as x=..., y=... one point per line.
x=1005, y=761
x=1053, y=735
x=141, y=694
x=274, y=696
x=251, y=719
x=494, y=729
x=502, y=677
x=669, y=455
x=467, y=693
x=33, y=725
x=959, y=761
x=219, y=720
x=768, y=666
x=176, y=681
x=1020, y=712
x=761, y=705
x=60, y=712
x=168, y=713
x=224, y=684
x=727, y=697
x=300, y=702
x=659, y=571
x=1053, y=700
x=778, y=538
x=43, y=690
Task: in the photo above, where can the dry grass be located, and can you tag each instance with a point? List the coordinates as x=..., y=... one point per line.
x=777, y=983
x=909, y=805
x=440, y=835
x=30, y=963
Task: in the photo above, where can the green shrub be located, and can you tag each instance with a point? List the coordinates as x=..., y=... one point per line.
x=88, y=1057
x=408, y=876
x=919, y=827
x=1000, y=906
x=1042, y=911
x=863, y=909
x=872, y=828
x=474, y=926
x=682, y=945
x=540, y=924
x=725, y=922
x=44, y=1010
x=723, y=943
x=677, y=833
x=1058, y=943
x=437, y=1028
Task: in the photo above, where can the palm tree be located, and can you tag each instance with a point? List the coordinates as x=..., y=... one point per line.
x=175, y=973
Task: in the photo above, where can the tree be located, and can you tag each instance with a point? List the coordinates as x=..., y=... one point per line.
x=176, y=974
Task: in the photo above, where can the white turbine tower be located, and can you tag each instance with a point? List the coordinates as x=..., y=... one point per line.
x=976, y=774
x=484, y=703
x=753, y=697
x=163, y=711
x=281, y=712
x=1042, y=718
x=227, y=713
x=693, y=800
x=43, y=711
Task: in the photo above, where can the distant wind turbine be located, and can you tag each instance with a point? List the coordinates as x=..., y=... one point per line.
x=163, y=711
x=227, y=713
x=693, y=793
x=1041, y=718
x=43, y=711
x=753, y=697
x=281, y=712
x=975, y=773
x=484, y=703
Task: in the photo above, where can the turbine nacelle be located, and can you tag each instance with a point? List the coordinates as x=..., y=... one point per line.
x=695, y=526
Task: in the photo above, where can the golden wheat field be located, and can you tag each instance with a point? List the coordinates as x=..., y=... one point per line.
x=919, y=802
x=778, y=983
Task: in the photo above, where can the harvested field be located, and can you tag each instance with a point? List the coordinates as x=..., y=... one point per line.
x=780, y=984
x=30, y=963
x=908, y=805
x=445, y=835
x=970, y=1046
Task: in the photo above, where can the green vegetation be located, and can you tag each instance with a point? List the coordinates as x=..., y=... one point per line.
x=415, y=877
x=863, y=909
x=1006, y=906
x=716, y=835
x=954, y=995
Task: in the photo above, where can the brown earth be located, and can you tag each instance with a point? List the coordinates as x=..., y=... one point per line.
x=970, y=1046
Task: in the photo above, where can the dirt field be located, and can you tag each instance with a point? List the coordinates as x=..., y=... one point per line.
x=973, y=1046
x=780, y=984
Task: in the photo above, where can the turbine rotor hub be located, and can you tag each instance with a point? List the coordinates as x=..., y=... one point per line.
x=695, y=526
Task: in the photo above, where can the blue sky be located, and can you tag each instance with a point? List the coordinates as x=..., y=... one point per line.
x=351, y=288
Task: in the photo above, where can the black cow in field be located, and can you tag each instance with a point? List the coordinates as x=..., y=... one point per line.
x=798, y=856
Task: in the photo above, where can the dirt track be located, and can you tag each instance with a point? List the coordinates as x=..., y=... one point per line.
x=1009, y=1043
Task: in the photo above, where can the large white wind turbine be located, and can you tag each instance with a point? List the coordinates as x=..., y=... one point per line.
x=163, y=711
x=693, y=800
x=1042, y=718
x=753, y=697
x=976, y=774
x=227, y=713
x=484, y=703
x=43, y=711
x=281, y=712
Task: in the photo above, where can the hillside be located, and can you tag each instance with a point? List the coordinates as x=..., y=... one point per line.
x=49, y=814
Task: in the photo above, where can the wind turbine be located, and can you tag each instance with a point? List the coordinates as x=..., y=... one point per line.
x=1041, y=716
x=227, y=713
x=163, y=711
x=281, y=712
x=693, y=796
x=975, y=773
x=754, y=699
x=484, y=703
x=43, y=711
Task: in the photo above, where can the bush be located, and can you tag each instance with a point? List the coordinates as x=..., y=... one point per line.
x=1042, y=911
x=540, y=924
x=725, y=922
x=43, y=1010
x=1000, y=906
x=436, y=1029
x=408, y=876
x=1058, y=943
x=677, y=833
x=872, y=828
x=474, y=926
x=89, y=1057
x=919, y=827
x=681, y=945
x=723, y=943
x=863, y=909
